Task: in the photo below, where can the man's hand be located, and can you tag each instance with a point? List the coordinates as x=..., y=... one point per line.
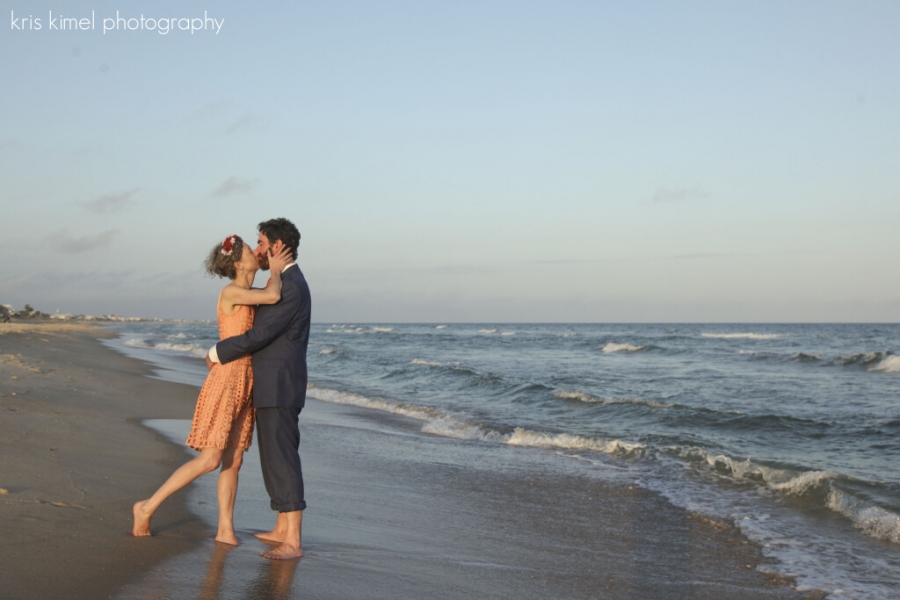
x=277, y=262
x=209, y=363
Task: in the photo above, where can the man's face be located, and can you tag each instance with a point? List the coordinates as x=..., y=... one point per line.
x=262, y=251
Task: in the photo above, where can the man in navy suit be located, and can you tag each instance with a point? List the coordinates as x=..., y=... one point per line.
x=277, y=343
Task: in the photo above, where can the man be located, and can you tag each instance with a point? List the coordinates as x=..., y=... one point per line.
x=277, y=343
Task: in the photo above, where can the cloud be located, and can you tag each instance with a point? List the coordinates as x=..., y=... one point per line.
x=234, y=185
x=12, y=145
x=211, y=108
x=704, y=255
x=245, y=120
x=61, y=241
x=680, y=194
x=111, y=202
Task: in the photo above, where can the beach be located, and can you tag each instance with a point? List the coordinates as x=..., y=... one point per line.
x=73, y=459
x=394, y=512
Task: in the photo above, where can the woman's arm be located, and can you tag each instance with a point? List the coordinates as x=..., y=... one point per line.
x=235, y=295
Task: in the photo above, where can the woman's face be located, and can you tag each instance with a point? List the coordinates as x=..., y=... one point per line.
x=248, y=261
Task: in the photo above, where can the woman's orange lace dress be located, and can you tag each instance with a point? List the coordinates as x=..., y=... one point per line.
x=224, y=415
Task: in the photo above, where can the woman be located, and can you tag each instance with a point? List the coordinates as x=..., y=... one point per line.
x=223, y=420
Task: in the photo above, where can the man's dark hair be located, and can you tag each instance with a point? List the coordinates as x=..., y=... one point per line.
x=284, y=230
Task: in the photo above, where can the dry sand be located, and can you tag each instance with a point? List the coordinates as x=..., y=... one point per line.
x=73, y=459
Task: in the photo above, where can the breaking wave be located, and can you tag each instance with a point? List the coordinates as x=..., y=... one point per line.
x=614, y=347
x=459, y=427
x=888, y=364
x=818, y=486
x=743, y=336
x=197, y=350
x=874, y=521
x=358, y=329
x=585, y=397
x=432, y=363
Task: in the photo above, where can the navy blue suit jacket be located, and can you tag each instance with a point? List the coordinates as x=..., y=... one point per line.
x=277, y=342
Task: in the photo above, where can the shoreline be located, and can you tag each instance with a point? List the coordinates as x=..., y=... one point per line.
x=357, y=543
x=74, y=456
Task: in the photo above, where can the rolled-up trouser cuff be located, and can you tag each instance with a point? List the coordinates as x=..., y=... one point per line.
x=291, y=507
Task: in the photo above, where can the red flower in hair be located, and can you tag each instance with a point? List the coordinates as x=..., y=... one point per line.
x=228, y=244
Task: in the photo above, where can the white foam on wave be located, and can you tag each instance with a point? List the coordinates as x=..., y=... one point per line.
x=382, y=329
x=508, y=333
x=432, y=363
x=743, y=336
x=580, y=396
x=330, y=351
x=458, y=427
x=866, y=358
x=888, y=364
x=133, y=343
x=614, y=347
x=345, y=329
x=874, y=521
x=192, y=349
x=566, y=441
x=585, y=397
x=441, y=327
x=802, y=483
x=784, y=481
x=487, y=331
x=407, y=410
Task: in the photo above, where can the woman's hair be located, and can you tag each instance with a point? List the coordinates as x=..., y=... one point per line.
x=221, y=260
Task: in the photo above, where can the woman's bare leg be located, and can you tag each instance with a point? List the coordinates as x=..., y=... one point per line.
x=232, y=459
x=207, y=461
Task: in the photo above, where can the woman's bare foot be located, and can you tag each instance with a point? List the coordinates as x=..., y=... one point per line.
x=283, y=552
x=227, y=538
x=141, y=526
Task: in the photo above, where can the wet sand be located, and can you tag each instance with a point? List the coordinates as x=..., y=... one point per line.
x=394, y=513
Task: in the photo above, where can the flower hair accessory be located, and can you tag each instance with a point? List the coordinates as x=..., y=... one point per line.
x=228, y=245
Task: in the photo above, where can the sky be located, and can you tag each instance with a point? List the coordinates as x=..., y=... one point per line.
x=455, y=160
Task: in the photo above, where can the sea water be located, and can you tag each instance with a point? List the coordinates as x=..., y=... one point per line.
x=792, y=432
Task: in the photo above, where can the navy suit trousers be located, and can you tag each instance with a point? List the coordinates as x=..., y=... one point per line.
x=278, y=436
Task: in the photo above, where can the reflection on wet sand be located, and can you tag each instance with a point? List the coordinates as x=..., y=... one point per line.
x=215, y=572
x=273, y=578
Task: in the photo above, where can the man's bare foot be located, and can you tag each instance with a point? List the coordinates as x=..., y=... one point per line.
x=271, y=536
x=227, y=538
x=141, y=526
x=283, y=552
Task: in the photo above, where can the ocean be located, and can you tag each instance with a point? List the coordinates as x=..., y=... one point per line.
x=789, y=431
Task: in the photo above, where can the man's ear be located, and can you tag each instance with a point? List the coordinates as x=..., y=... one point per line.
x=275, y=247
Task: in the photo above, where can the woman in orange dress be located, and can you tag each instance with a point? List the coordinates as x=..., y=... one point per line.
x=223, y=420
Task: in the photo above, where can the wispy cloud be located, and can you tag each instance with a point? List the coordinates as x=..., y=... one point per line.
x=244, y=121
x=235, y=185
x=704, y=255
x=61, y=241
x=11, y=145
x=111, y=202
x=682, y=194
x=563, y=261
x=209, y=109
